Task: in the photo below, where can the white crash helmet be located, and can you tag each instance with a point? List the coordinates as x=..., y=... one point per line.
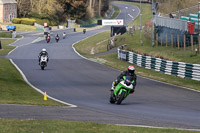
x=44, y=50
x=131, y=69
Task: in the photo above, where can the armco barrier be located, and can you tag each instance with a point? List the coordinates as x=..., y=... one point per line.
x=180, y=69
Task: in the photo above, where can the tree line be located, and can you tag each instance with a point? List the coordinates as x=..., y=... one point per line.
x=61, y=10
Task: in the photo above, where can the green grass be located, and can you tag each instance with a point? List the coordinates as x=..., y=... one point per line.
x=5, y=48
x=98, y=43
x=22, y=27
x=5, y=35
x=61, y=126
x=13, y=88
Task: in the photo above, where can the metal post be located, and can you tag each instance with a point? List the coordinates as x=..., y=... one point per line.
x=141, y=24
x=152, y=26
x=126, y=16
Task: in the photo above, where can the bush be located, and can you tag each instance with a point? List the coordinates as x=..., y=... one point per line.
x=26, y=21
x=50, y=23
x=16, y=21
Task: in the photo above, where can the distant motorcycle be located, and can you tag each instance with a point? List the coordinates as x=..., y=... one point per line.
x=57, y=38
x=64, y=35
x=122, y=90
x=43, y=61
x=48, y=39
x=84, y=31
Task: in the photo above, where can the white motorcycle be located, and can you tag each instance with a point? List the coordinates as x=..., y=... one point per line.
x=43, y=61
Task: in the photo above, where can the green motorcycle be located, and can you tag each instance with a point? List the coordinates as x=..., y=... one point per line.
x=122, y=90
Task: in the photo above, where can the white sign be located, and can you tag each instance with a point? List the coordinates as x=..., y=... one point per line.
x=113, y=22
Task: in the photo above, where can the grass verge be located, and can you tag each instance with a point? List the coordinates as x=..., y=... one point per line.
x=96, y=44
x=5, y=47
x=13, y=88
x=61, y=126
x=22, y=27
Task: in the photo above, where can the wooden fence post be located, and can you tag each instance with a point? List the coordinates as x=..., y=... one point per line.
x=192, y=43
x=178, y=41
x=172, y=40
x=184, y=42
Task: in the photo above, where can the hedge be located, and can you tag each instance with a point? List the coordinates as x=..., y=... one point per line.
x=26, y=21
x=29, y=21
x=42, y=21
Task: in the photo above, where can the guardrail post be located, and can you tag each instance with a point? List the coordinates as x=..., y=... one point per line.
x=0, y=45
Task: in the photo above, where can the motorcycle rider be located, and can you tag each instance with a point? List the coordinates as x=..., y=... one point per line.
x=48, y=36
x=43, y=52
x=129, y=72
x=64, y=34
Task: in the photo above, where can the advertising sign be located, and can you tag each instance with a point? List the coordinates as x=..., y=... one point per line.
x=113, y=22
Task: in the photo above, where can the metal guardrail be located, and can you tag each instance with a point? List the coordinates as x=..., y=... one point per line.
x=171, y=23
x=180, y=69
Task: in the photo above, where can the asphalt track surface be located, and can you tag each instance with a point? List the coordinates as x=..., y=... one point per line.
x=73, y=79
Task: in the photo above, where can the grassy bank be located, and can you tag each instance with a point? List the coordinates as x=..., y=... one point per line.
x=96, y=44
x=55, y=126
x=13, y=88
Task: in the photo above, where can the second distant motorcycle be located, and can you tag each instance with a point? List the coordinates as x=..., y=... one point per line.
x=57, y=38
x=48, y=39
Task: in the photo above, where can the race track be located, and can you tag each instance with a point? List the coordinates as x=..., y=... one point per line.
x=73, y=79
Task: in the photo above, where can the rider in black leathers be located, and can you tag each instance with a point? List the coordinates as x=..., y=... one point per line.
x=130, y=72
x=43, y=52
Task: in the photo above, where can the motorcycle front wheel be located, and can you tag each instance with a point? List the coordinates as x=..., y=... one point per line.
x=121, y=97
x=42, y=67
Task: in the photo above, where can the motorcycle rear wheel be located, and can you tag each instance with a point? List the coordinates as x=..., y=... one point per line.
x=112, y=98
x=121, y=98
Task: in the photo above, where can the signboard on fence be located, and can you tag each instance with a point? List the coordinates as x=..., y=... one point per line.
x=113, y=22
